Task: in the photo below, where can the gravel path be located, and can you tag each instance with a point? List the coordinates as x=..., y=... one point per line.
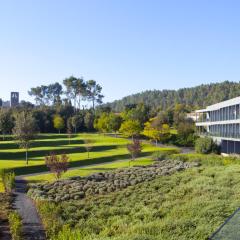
x=32, y=225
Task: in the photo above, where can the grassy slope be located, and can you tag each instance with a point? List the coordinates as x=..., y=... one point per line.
x=187, y=205
x=105, y=149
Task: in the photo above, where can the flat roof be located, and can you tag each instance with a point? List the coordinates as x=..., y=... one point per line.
x=230, y=102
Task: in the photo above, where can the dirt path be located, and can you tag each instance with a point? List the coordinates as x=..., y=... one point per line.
x=32, y=225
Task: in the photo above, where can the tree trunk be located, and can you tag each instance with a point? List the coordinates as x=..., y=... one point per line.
x=59, y=131
x=26, y=156
x=88, y=154
x=156, y=142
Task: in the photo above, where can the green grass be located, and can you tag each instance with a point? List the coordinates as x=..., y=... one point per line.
x=105, y=149
x=186, y=205
x=89, y=170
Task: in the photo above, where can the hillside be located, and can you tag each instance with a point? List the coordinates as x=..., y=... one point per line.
x=197, y=97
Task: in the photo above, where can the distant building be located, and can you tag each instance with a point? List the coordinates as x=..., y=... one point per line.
x=192, y=116
x=14, y=99
x=6, y=103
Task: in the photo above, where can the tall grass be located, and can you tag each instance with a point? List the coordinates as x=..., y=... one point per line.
x=15, y=224
x=8, y=179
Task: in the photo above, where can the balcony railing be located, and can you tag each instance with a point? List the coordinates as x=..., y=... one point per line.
x=223, y=135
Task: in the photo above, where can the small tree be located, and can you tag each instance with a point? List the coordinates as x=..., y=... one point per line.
x=130, y=128
x=58, y=122
x=69, y=129
x=24, y=131
x=57, y=164
x=114, y=122
x=88, y=145
x=134, y=148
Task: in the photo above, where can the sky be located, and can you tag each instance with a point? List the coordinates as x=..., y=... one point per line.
x=127, y=46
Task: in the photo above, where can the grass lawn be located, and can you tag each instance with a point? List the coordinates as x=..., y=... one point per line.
x=105, y=149
x=186, y=205
x=89, y=170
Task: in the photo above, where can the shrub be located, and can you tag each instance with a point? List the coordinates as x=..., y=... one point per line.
x=8, y=179
x=206, y=145
x=57, y=164
x=159, y=156
x=15, y=224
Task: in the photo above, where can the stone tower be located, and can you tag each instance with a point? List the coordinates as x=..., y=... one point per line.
x=14, y=99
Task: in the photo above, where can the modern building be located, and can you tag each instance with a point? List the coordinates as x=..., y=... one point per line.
x=221, y=121
x=14, y=99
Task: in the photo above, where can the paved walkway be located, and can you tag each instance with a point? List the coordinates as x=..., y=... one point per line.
x=230, y=229
x=32, y=225
x=4, y=231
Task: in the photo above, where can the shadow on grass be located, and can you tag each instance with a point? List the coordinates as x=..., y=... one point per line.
x=36, y=144
x=80, y=163
x=42, y=153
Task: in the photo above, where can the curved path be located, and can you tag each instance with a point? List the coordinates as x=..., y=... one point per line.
x=32, y=225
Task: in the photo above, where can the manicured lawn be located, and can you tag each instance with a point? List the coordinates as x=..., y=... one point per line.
x=105, y=149
x=89, y=170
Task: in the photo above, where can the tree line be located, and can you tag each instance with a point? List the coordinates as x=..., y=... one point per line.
x=194, y=97
x=74, y=90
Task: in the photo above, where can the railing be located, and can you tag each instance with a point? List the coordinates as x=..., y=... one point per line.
x=223, y=135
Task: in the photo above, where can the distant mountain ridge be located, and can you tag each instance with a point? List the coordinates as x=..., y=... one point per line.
x=197, y=97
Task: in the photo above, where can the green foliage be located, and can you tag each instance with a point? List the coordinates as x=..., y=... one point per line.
x=130, y=128
x=6, y=121
x=15, y=224
x=187, y=205
x=206, y=145
x=155, y=130
x=139, y=112
x=94, y=92
x=108, y=122
x=8, y=179
x=159, y=156
x=24, y=130
x=58, y=122
x=186, y=133
x=195, y=97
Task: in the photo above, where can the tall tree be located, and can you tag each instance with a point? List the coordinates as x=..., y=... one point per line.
x=54, y=93
x=76, y=89
x=40, y=94
x=71, y=89
x=94, y=91
x=24, y=131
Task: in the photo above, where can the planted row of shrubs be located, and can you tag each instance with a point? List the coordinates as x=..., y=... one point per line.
x=15, y=223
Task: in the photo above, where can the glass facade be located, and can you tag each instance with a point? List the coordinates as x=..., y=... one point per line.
x=222, y=114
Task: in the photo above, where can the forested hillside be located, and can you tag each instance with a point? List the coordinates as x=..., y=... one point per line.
x=197, y=97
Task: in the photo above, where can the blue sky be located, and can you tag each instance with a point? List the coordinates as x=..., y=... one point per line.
x=127, y=46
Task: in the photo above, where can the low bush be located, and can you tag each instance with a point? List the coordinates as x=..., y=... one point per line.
x=15, y=224
x=8, y=179
x=159, y=156
x=199, y=197
x=206, y=145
